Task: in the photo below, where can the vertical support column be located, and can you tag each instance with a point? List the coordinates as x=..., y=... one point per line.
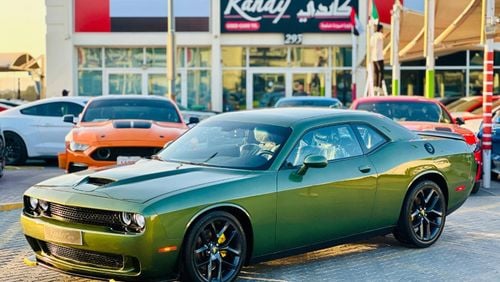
x=489, y=32
x=354, y=65
x=430, y=6
x=171, y=70
x=216, y=73
x=396, y=72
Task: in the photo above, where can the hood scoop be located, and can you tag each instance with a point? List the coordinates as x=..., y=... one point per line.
x=132, y=124
x=98, y=181
x=443, y=129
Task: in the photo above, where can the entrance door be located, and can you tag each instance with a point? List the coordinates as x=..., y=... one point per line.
x=310, y=83
x=264, y=89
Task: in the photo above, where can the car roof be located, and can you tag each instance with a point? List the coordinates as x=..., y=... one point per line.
x=395, y=99
x=308, y=98
x=128, y=97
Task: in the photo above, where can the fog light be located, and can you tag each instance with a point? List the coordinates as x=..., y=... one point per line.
x=104, y=154
x=33, y=203
x=126, y=218
x=139, y=220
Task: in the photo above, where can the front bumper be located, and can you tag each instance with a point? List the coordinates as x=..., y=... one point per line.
x=103, y=253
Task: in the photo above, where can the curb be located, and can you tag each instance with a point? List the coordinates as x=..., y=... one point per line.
x=10, y=206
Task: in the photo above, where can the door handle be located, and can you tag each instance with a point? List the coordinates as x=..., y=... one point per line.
x=365, y=168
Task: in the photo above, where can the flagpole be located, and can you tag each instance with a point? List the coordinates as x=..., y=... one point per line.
x=430, y=7
x=354, y=64
x=369, y=65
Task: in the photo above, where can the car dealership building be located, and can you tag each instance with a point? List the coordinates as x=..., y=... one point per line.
x=231, y=54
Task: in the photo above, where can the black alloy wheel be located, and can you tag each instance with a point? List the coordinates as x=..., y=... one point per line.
x=423, y=215
x=15, y=149
x=215, y=248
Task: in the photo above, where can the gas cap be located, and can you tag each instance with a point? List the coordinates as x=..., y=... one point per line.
x=429, y=148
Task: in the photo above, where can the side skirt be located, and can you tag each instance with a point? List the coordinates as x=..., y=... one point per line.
x=322, y=245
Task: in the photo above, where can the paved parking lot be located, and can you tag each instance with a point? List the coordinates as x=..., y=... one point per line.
x=469, y=250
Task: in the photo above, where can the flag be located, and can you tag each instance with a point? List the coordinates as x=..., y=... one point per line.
x=374, y=15
x=357, y=28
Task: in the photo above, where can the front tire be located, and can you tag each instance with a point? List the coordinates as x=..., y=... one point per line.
x=423, y=216
x=15, y=149
x=215, y=248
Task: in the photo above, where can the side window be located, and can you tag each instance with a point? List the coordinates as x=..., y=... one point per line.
x=72, y=109
x=371, y=138
x=32, y=111
x=332, y=142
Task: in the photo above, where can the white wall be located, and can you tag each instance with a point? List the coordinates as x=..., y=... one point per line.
x=59, y=47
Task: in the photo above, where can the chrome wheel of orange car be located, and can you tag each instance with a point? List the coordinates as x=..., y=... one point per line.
x=423, y=215
x=215, y=248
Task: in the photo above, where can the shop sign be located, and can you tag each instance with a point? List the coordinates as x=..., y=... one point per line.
x=286, y=16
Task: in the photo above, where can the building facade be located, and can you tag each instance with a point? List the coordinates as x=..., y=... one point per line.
x=231, y=54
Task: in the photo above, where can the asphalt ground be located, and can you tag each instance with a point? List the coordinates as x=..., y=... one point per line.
x=468, y=250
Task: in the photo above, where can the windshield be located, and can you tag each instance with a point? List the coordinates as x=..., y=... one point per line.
x=408, y=111
x=309, y=103
x=143, y=109
x=228, y=144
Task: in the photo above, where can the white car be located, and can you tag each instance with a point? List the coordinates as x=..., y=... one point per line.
x=36, y=129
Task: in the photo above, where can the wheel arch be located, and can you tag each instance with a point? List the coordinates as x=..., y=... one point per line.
x=434, y=176
x=26, y=145
x=237, y=211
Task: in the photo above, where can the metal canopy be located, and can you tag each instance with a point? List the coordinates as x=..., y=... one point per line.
x=18, y=62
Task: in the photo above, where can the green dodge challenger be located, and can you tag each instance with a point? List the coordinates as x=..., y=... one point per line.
x=249, y=186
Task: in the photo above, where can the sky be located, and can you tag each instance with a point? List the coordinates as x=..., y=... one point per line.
x=22, y=26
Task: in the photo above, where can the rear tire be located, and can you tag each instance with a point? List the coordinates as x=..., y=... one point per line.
x=476, y=187
x=15, y=149
x=423, y=215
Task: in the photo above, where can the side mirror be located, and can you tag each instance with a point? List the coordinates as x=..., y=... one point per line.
x=313, y=161
x=193, y=120
x=69, y=118
x=459, y=121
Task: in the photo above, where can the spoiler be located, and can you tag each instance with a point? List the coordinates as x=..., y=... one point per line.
x=440, y=134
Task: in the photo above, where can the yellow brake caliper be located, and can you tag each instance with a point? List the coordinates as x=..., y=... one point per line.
x=221, y=241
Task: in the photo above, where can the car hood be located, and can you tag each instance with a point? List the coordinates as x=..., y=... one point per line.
x=141, y=182
x=435, y=126
x=131, y=130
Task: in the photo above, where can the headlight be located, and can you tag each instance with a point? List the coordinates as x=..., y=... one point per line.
x=77, y=147
x=126, y=218
x=33, y=203
x=139, y=220
x=43, y=205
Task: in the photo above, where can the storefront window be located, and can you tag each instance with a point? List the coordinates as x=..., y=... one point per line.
x=341, y=86
x=157, y=84
x=198, y=57
x=234, y=90
x=476, y=58
x=90, y=83
x=233, y=56
x=125, y=83
x=309, y=84
x=309, y=57
x=199, y=96
x=156, y=57
x=342, y=56
x=450, y=83
x=268, y=57
x=412, y=82
x=124, y=57
x=475, y=82
x=89, y=58
x=455, y=59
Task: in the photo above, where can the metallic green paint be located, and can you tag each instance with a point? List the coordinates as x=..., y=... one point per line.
x=286, y=211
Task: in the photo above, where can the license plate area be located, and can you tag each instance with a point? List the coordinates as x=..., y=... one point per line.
x=61, y=235
x=122, y=160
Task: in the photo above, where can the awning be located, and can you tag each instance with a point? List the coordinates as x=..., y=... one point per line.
x=18, y=62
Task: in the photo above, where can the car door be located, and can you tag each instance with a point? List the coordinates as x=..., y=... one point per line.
x=51, y=128
x=325, y=203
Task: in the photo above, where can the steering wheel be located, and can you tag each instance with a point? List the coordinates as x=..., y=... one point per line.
x=268, y=154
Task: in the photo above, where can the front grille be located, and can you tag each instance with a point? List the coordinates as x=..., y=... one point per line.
x=86, y=216
x=83, y=256
x=112, y=153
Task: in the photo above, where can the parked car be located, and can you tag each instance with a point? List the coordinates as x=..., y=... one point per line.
x=120, y=130
x=421, y=114
x=4, y=107
x=249, y=186
x=309, y=101
x=467, y=105
x=187, y=114
x=36, y=129
x=2, y=152
x=495, y=146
